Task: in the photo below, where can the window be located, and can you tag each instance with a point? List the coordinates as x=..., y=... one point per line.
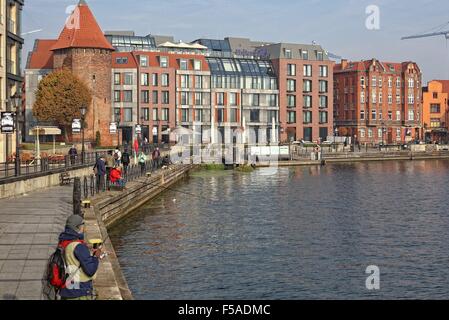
x=380, y=133
x=307, y=86
x=117, y=96
x=398, y=134
x=291, y=101
x=272, y=115
x=291, y=85
x=362, y=97
x=380, y=82
x=374, y=97
x=165, y=80
x=197, y=65
x=121, y=60
x=323, y=101
x=254, y=115
x=288, y=53
x=435, y=123
x=324, y=70
x=305, y=54
x=435, y=108
x=291, y=117
x=220, y=115
x=307, y=101
x=307, y=70
x=144, y=61
x=323, y=117
x=144, y=79
x=370, y=133
x=183, y=64
x=256, y=100
x=398, y=115
x=155, y=114
x=233, y=99
x=390, y=82
x=163, y=62
x=362, y=133
x=185, y=98
x=323, y=86
x=362, y=115
x=374, y=81
x=291, y=70
x=155, y=97
x=220, y=99
x=233, y=115
x=411, y=98
x=117, y=78
x=146, y=114
x=128, y=78
x=165, y=97
x=380, y=97
x=165, y=114
x=435, y=95
x=398, y=98
x=185, y=115
x=273, y=100
x=185, y=81
x=411, y=83
x=390, y=98
x=373, y=115
x=411, y=115
x=398, y=82
x=128, y=114
x=145, y=96
x=198, y=98
x=199, y=115
x=307, y=116
x=320, y=56
x=362, y=82
x=127, y=96
x=198, y=82
x=154, y=79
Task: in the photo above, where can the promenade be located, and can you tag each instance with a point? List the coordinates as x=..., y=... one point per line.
x=29, y=229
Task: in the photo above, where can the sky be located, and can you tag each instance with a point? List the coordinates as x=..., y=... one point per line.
x=338, y=25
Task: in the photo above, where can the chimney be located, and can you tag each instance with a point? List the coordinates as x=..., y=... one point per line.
x=344, y=64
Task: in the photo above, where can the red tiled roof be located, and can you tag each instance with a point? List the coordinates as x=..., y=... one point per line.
x=42, y=56
x=82, y=31
x=365, y=64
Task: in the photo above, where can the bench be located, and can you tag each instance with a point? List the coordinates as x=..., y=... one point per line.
x=64, y=178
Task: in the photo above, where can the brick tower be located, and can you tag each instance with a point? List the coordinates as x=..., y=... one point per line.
x=83, y=49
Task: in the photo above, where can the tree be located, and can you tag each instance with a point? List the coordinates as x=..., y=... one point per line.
x=59, y=97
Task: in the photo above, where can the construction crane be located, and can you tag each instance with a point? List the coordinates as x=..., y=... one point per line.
x=437, y=31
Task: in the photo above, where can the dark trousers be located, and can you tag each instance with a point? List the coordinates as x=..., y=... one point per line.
x=100, y=182
x=142, y=167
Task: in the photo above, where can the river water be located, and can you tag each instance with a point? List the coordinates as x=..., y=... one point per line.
x=293, y=233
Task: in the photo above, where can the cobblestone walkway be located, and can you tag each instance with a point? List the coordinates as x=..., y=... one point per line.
x=29, y=229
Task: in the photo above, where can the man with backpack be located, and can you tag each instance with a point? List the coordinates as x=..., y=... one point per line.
x=72, y=267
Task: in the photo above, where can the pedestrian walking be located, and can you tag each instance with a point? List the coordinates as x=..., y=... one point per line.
x=73, y=153
x=126, y=159
x=117, y=156
x=109, y=163
x=100, y=172
x=142, y=160
x=155, y=157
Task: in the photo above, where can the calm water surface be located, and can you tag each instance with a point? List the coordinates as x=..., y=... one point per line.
x=300, y=233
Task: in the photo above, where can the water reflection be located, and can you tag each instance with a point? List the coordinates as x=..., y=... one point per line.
x=305, y=232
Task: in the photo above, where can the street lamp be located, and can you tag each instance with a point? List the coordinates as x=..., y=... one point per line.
x=17, y=99
x=118, y=113
x=83, y=111
x=335, y=138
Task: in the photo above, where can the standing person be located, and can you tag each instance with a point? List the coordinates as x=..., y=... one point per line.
x=142, y=159
x=155, y=158
x=100, y=172
x=125, y=161
x=73, y=153
x=117, y=156
x=109, y=163
x=82, y=266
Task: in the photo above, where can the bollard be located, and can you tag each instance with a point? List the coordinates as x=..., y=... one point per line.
x=77, y=197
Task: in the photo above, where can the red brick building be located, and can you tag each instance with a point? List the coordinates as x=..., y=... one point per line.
x=378, y=102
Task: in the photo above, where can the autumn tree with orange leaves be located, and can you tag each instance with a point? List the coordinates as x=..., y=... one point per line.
x=59, y=98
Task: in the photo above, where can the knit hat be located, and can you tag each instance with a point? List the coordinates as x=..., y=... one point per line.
x=74, y=221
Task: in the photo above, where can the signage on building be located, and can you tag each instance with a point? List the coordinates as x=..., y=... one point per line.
x=113, y=128
x=7, y=122
x=76, y=126
x=138, y=129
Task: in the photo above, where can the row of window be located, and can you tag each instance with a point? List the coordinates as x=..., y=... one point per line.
x=381, y=133
x=378, y=82
x=307, y=70
x=307, y=101
x=307, y=86
x=375, y=98
x=379, y=116
x=157, y=114
x=128, y=79
x=163, y=61
x=307, y=117
x=244, y=82
x=127, y=96
x=304, y=54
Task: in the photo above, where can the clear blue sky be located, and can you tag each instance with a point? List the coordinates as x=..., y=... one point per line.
x=338, y=25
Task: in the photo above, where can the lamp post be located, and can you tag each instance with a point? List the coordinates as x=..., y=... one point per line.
x=83, y=111
x=335, y=139
x=17, y=99
x=118, y=113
